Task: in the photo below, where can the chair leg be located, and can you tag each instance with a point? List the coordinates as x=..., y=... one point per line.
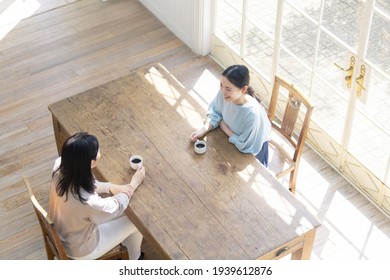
x=293, y=180
x=49, y=252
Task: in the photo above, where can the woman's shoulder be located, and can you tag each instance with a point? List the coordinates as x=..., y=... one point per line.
x=253, y=110
x=252, y=105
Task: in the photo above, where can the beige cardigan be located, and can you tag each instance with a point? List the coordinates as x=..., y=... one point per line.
x=76, y=222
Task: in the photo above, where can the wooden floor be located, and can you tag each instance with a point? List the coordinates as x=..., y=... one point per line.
x=64, y=47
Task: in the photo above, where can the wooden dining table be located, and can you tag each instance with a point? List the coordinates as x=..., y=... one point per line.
x=222, y=204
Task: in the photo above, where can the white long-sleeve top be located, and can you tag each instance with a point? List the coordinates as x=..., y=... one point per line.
x=76, y=222
x=249, y=122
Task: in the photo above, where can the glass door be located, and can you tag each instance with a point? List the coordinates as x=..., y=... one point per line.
x=368, y=141
x=338, y=53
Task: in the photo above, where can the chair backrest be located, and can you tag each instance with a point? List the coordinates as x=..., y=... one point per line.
x=51, y=239
x=287, y=126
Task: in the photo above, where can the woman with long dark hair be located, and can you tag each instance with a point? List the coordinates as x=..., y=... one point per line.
x=89, y=225
x=238, y=112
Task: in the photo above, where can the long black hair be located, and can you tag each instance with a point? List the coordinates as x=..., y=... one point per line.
x=239, y=76
x=75, y=169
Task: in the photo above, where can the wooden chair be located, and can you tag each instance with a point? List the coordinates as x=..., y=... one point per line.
x=53, y=244
x=284, y=156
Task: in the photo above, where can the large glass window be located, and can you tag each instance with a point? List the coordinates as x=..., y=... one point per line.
x=338, y=53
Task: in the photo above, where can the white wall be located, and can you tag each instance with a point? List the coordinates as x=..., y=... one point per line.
x=189, y=20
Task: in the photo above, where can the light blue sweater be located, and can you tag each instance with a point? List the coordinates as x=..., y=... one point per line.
x=249, y=122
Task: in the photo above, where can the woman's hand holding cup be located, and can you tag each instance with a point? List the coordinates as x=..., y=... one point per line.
x=197, y=134
x=137, y=178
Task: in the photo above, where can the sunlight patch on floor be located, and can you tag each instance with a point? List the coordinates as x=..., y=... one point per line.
x=12, y=14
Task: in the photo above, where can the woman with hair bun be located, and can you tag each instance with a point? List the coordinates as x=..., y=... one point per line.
x=237, y=111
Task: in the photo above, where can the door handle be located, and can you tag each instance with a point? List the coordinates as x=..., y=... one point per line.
x=348, y=77
x=360, y=80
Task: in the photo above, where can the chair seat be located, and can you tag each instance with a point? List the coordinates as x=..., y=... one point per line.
x=118, y=252
x=280, y=160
